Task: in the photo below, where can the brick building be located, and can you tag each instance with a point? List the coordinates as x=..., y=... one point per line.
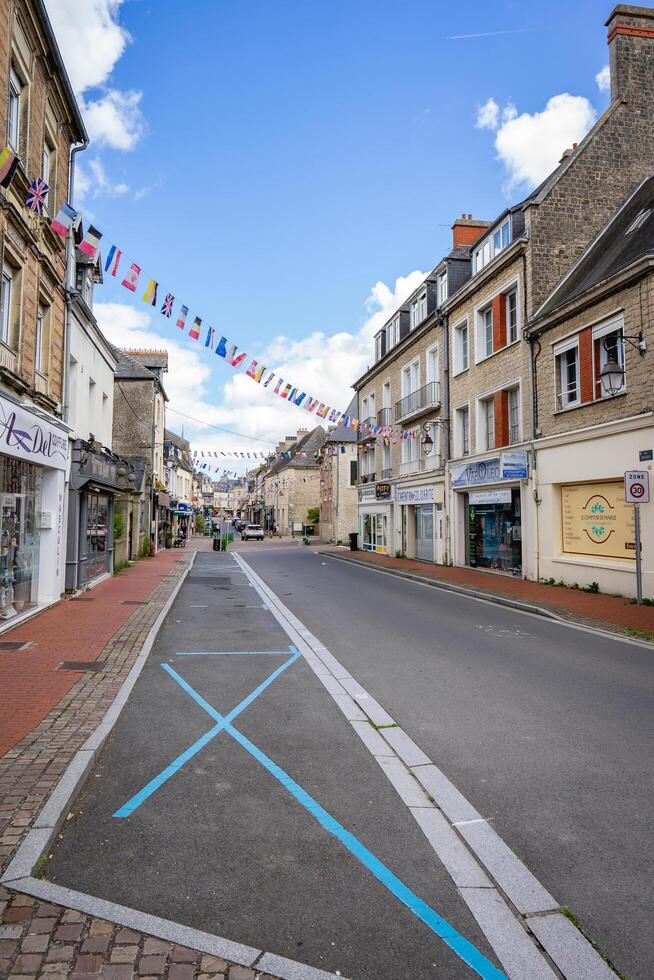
x=39, y=122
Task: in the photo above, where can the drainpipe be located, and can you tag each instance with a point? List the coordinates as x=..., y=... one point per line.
x=70, y=278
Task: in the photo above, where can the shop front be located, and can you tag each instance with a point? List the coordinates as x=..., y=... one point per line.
x=96, y=477
x=488, y=512
x=376, y=518
x=182, y=514
x=33, y=463
x=162, y=524
x=422, y=521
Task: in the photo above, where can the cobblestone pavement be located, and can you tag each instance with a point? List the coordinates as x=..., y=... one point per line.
x=39, y=940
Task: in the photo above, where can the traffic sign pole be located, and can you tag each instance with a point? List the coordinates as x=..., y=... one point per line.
x=639, y=572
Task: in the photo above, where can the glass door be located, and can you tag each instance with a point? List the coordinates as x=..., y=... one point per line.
x=97, y=530
x=425, y=532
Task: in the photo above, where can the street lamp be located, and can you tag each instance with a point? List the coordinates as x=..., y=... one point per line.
x=427, y=441
x=612, y=374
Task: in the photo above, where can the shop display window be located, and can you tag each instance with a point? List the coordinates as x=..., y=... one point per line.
x=495, y=535
x=20, y=512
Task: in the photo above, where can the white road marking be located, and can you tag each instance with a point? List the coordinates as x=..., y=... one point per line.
x=509, y=932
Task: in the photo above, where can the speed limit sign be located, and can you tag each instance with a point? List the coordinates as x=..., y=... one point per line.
x=636, y=487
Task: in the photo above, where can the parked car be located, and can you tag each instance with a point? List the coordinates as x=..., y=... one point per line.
x=252, y=532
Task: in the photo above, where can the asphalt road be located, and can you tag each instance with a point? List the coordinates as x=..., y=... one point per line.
x=221, y=845
x=547, y=730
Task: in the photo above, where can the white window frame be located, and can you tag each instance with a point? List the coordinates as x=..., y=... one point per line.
x=6, y=298
x=38, y=338
x=481, y=345
x=459, y=430
x=408, y=373
x=488, y=249
x=613, y=325
x=386, y=394
x=432, y=366
x=512, y=291
x=410, y=449
x=13, y=111
x=364, y=408
x=378, y=346
x=483, y=416
x=461, y=351
x=441, y=287
x=422, y=306
x=514, y=392
x=45, y=161
x=558, y=351
x=392, y=332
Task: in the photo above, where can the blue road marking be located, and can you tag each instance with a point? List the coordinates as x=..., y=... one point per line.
x=441, y=927
x=135, y=802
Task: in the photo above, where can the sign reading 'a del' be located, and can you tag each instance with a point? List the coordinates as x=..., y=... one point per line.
x=31, y=438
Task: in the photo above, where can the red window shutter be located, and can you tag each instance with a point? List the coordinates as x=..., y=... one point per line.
x=499, y=322
x=501, y=410
x=586, y=364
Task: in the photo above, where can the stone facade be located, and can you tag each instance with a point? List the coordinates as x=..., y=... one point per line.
x=338, y=492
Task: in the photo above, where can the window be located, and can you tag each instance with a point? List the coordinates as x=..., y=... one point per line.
x=364, y=408
x=386, y=395
x=5, y=303
x=512, y=316
x=441, y=284
x=410, y=447
x=492, y=246
x=386, y=462
x=461, y=347
x=464, y=422
x=514, y=416
x=393, y=333
x=410, y=378
x=372, y=405
x=485, y=332
x=419, y=310
x=38, y=339
x=608, y=344
x=488, y=422
x=353, y=472
x=379, y=346
x=13, y=114
x=431, y=358
x=567, y=376
x=45, y=164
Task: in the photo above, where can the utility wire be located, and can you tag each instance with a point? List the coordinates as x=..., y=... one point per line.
x=220, y=427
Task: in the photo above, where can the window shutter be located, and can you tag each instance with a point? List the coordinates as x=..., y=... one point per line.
x=499, y=322
x=501, y=408
x=586, y=384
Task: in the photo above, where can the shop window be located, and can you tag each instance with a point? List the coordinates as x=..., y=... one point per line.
x=495, y=530
x=567, y=375
x=20, y=509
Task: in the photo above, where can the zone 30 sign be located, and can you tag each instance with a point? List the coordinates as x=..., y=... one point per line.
x=636, y=487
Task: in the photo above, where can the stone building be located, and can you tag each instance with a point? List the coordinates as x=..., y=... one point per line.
x=292, y=482
x=338, y=483
x=138, y=435
x=41, y=124
x=178, y=472
x=593, y=343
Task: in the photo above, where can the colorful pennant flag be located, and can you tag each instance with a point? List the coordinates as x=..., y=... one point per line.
x=91, y=241
x=150, y=294
x=8, y=164
x=37, y=195
x=194, y=332
x=63, y=220
x=132, y=278
x=167, y=306
x=181, y=319
x=210, y=338
x=113, y=258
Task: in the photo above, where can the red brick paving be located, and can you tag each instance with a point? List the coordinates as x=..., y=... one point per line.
x=604, y=610
x=30, y=683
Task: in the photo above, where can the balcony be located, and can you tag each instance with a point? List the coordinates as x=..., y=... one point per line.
x=364, y=426
x=40, y=383
x=368, y=478
x=409, y=466
x=387, y=473
x=419, y=401
x=8, y=357
x=384, y=417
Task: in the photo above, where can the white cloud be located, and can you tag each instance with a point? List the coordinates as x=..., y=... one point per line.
x=531, y=144
x=603, y=79
x=324, y=365
x=488, y=115
x=91, y=41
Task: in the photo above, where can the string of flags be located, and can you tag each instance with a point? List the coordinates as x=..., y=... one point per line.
x=68, y=218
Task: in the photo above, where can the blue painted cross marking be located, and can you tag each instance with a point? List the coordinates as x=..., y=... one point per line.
x=438, y=925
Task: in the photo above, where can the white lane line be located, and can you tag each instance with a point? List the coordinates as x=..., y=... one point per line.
x=508, y=932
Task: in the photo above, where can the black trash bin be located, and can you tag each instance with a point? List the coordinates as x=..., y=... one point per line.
x=354, y=541
x=216, y=542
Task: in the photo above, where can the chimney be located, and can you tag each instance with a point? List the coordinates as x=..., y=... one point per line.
x=466, y=230
x=631, y=53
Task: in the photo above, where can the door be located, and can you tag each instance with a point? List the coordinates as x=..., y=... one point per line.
x=439, y=536
x=425, y=532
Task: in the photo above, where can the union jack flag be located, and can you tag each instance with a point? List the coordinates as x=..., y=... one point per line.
x=37, y=194
x=167, y=307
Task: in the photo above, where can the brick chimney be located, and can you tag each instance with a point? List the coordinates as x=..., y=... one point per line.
x=631, y=53
x=466, y=230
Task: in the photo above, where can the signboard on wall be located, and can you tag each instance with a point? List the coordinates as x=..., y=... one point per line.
x=475, y=474
x=596, y=521
x=490, y=496
x=29, y=437
x=513, y=465
x=415, y=495
x=383, y=491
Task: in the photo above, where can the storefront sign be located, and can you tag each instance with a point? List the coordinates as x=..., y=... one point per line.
x=367, y=493
x=475, y=474
x=415, y=495
x=513, y=465
x=489, y=497
x=596, y=521
x=26, y=436
x=383, y=491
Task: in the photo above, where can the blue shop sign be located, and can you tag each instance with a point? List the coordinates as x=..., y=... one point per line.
x=513, y=465
x=476, y=474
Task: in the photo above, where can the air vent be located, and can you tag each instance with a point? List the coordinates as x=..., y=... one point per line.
x=81, y=665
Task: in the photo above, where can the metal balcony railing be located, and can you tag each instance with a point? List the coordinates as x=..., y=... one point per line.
x=364, y=428
x=418, y=401
x=387, y=473
x=384, y=416
x=368, y=478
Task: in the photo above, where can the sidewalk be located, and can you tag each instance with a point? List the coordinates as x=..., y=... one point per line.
x=46, y=714
x=591, y=609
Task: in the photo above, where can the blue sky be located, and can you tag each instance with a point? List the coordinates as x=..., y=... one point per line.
x=285, y=158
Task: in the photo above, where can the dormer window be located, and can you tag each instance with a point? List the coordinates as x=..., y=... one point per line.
x=418, y=310
x=393, y=332
x=441, y=286
x=492, y=246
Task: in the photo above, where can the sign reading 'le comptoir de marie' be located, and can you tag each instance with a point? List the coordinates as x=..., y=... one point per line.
x=597, y=521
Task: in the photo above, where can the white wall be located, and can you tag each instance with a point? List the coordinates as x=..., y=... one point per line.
x=91, y=405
